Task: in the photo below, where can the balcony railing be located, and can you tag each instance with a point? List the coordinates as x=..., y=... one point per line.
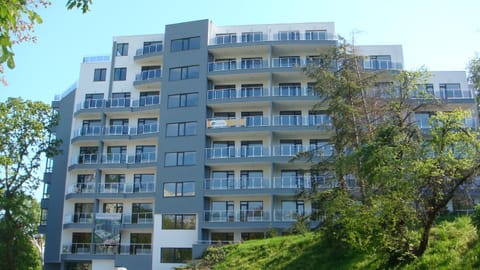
x=381, y=65
x=446, y=94
x=229, y=65
x=319, y=121
x=136, y=249
x=82, y=188
x=239, y=38
x=119, y=103
x=146, y=50
x=111, y=188
x=78, y=218
x=244, y=92
x=115, y=158
x=147, y=75
x=239, y=152
x=283, y=182
x=117, y=130
x=78, y=248
x=138, y=218
x=237, y=216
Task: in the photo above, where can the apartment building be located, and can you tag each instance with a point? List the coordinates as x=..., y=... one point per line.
x=183, y=139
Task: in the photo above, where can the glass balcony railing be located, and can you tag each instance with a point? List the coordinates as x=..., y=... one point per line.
x=237, y=216
x=319, y=121
x=381, y=65
x=146, y=50
x=136, y=249
x=138, y=218
x=241, y=152
x=78, y=218
x=119, y=103
x=84, y=188
x=115, y=158
x=116, y=130
x=280, y=182
x=274, y=36
x=253, y=92
x=228, y=65
x=149, y=75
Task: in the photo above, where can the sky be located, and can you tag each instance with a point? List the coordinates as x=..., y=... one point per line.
x=436, y=34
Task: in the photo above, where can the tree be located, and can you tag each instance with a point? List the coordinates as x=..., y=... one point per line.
x=26, y=213
x=17, y=23
x=474, y=75
x=404, y=176
x=25, y=138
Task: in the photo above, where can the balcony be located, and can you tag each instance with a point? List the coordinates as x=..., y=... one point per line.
x=232, y=93
x=78, y=218
x=381, y=65
x=118, y=103
x=115, y=188
x=453, y=94
x=231, y=65
x=321, y=122
x=86, y=188
x=287, y=150
x=262, y=37
x=138, y=218
x=106, y=249
x=261, y=183
x=115, y=158
x=148, y=79
x=116, y=130
x=149, y=50
x=136, y=249
x=288, y=215
x=237, y=216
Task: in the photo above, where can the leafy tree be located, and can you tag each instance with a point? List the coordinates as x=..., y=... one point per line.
x=17, y=23
x=25, y=138
x=404, y=176
x=26, y=213
x=474, y=75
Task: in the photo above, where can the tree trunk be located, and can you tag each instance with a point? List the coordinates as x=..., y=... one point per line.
x=10, y=239
x=422, y=247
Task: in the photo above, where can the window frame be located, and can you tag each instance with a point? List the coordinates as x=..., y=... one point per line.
x=178, y=222
x=179, y=189
x=185, y=44
x=99, y=74
x=180, y=158
x=120, y=74
x=184, y=73
x=179, y=129
x=184, y=100
x=121, y=49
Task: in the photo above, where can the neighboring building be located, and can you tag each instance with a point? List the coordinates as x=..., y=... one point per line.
x=182, y=139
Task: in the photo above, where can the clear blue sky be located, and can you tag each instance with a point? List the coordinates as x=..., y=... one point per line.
x=440, y=34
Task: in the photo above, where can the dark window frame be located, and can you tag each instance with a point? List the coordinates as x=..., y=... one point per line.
x=99, y=74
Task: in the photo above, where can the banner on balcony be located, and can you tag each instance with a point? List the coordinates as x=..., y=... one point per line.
x=226, y=123
x=107, y=228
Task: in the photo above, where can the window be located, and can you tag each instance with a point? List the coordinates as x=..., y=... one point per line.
x=226, y=38
x=99, y=74
x=253, y=119
x=113, y=208
x=321, y=147
x=91, y=128
x=315, y=35
x=152, y=47
x=145, y=153
x=251, y=149
x=180, y=158
x=288, y=35
x=120, y=74
x=315, y=60
x=377, y=62
x=289, y=89
x=290, y=147
x=184, y=73
x=179, y=189
x=140, y=243
x=88, y=155
x=142, y=213
x=147, y=125
x=290, y=118
x=149, y=98
x=178, y=222
x=221, y=211
x=450, y=90
x=93, y=101
x=252, y=36
x=251, y=179
x=288, y=61
x=183, y=100
x=176, y=255
x=250, y=63
x=83, y=213
x=43, y=217
x=251, y=90
x=251, y=211
x=114, y=183
x=221, y=180
x=223, y=149
x=120, y=100
x=185, y=44
x=181, y=129
x=116, y=154
x=118, y=127
x=143, y=182
x=122, y=49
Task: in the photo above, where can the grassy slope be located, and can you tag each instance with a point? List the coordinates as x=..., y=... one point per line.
x=453, y=245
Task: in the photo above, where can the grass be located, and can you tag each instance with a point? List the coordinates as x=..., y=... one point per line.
x=453, y=245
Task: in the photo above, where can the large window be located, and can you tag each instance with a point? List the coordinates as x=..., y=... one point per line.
x=149, y=98
x=183, y=100
x=315, y=35
x=122, y=49
x=226, y=38
x=99, y=74
x=143, y=182
x=184, y=44
x=180, y=158
x=179, y=189
x=142, y=213
x=451, y=90
x=181, y=129
x=184, y=73
x=145, y=153
x=252, y=36
x=147, y=125
x=88, y=155
x=176, y=255
x=288, y=35
x=178, y=222
x=93, y=101
x=120, y=74
x=121, y=99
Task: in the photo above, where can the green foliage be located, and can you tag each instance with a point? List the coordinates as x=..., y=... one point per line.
x=454, y=245
x=476, y=217
x=84, y=5
x=26, y=213
x=25, y=138
x=404, y=178
x=474, y=72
